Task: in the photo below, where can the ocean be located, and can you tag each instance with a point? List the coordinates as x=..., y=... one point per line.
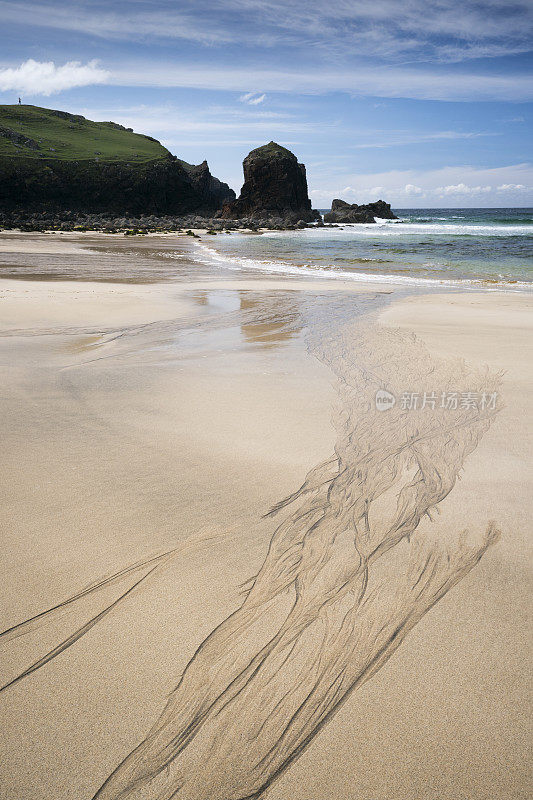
x=490, y=247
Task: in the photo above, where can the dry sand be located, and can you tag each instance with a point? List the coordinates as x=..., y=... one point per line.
x=139, y=419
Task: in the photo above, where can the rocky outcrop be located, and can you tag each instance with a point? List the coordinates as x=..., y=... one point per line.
x=274, y=190
x=161, y=186
x=344, y=212
x=212, y=192
x=80, y=221
x=19, y=139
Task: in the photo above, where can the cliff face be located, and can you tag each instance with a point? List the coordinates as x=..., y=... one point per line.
x=275, y=185
x=344, y=212
x=212, y=192
x=162, y=186
x=54, y=161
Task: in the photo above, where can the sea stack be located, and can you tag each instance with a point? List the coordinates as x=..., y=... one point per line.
x=274, y=190
x=344, y=212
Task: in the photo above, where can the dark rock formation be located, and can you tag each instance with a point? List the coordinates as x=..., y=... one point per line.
x=274, y=190
x=344, y=212
x=213, y=193
x=160, y=186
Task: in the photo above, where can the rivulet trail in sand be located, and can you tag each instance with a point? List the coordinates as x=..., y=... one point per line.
x=348, y=574
x=127, y=342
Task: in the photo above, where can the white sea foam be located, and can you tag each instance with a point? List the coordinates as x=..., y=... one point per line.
x=390, y=227
x=212, y=257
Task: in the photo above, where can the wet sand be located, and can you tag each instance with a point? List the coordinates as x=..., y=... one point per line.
x=161, y=421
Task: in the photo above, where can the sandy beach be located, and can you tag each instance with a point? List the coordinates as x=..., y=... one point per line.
x=153, y=412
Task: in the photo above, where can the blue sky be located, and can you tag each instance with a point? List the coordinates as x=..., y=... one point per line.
x=421, y=102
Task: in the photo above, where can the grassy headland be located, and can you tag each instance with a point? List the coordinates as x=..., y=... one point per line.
x=54, y=161
x=33, y=132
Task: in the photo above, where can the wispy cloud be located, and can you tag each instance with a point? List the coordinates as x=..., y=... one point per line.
x=398, y=138
x=45, y=78
x=252, y=98
x=446, y=30
x=129, y=24
x=365, y=48
x=427, y=84
x=172, y=122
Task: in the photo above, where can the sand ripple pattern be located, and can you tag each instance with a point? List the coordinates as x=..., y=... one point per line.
x=349, y=572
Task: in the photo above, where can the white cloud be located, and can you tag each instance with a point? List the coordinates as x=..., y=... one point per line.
x=511, y=187
x=462, y=189
x=45, y=78
x=252, y=98
x=411, y=189
x=421, y=84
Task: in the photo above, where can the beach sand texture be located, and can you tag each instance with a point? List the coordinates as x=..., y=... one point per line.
x=215, y=541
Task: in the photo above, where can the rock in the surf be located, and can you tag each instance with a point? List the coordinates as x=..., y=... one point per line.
x=344, y=212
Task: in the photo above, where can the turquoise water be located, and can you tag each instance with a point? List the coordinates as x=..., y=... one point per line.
x=490, y=247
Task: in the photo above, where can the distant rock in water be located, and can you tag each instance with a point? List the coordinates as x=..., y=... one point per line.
x=53, y=161
x=344, y=212
x=275, y=188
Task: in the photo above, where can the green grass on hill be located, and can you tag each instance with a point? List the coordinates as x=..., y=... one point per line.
x=34, y=132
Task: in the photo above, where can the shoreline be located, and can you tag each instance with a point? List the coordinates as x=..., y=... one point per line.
x=94, y=243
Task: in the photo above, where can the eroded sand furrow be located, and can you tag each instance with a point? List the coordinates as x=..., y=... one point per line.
x=346, y=577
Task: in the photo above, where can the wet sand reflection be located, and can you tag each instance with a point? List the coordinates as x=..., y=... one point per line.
x=279, y=329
